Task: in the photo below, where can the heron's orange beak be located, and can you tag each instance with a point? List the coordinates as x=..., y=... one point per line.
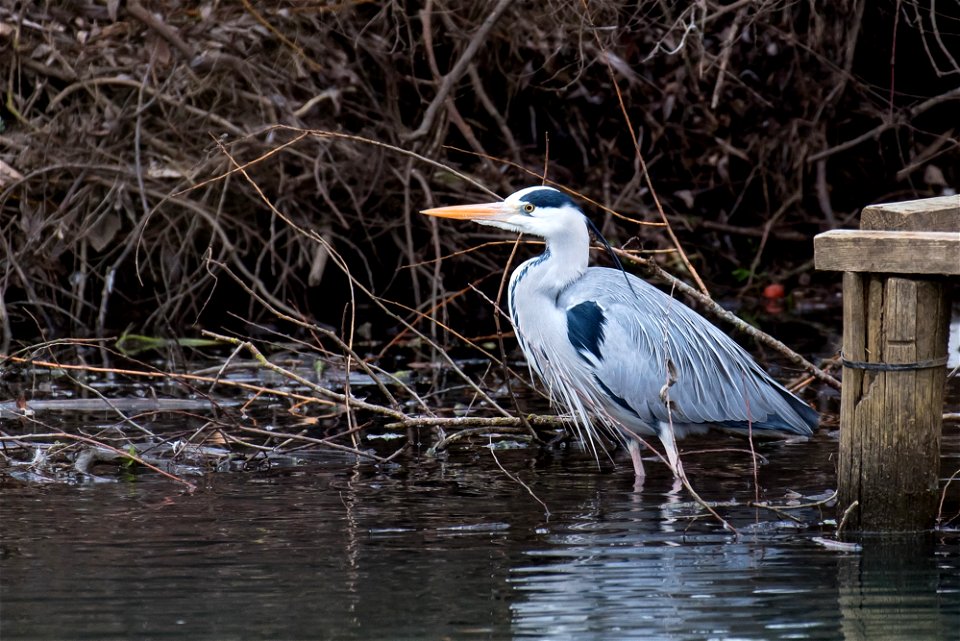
x=484, y=211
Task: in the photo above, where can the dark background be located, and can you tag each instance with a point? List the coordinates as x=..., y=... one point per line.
x=123, y=121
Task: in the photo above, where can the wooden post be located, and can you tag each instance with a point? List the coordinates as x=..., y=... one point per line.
x=896, y=310
x=890, y=419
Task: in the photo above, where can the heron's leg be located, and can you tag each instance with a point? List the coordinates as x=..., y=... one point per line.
x=633, y=446
x=676, y=487
x=670, y=446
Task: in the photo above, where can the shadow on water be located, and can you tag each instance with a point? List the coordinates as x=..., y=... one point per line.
x=453, y=548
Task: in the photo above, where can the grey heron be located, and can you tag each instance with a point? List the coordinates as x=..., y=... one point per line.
x=615, y=350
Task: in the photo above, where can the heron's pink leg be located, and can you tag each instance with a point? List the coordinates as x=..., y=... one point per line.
x=670, y=446
x=633, y=446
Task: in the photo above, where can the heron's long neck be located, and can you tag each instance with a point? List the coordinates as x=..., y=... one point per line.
x=550, y=273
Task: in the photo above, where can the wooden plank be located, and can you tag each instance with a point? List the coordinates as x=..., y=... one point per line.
x=928, y=214
x=889, y=252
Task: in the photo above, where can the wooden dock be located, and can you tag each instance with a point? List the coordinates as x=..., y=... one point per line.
x=896, y=309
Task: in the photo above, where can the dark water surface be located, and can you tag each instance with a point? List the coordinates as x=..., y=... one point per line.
x=455, y=549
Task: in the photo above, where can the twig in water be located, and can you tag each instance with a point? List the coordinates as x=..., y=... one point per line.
x=846, y=515
x=96, y=443
x=546, y=510
x=315, y=441
x=943, y=497
x=323, y=391
x=446, y=441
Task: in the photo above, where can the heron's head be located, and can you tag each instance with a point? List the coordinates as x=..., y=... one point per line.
x=540, y=211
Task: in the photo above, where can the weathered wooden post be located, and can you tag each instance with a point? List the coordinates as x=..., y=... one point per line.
x=896, y=310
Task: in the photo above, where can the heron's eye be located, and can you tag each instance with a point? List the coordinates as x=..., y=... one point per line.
x=528, y=207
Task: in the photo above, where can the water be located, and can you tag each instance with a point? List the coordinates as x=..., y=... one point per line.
x=456, y=549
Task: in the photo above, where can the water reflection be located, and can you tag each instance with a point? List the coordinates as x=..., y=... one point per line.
x=641, y=585
x=900, y=587
x=712, y=589
x=455, y=549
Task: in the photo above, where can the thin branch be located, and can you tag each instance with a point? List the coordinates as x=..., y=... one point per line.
x=344, y=399
x=887, y=123
x=643, y=164
x=457, y=71
x=96, y=443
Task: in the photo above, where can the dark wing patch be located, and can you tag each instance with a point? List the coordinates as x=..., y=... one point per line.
x=547, y=198
x=585, y=328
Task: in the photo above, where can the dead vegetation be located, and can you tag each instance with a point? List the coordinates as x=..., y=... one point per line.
x=259, y=166
x=758, y=123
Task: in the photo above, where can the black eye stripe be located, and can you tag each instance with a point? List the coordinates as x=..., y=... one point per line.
x=547, y=198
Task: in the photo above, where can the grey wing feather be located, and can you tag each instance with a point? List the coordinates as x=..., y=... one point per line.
x=717, y=382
